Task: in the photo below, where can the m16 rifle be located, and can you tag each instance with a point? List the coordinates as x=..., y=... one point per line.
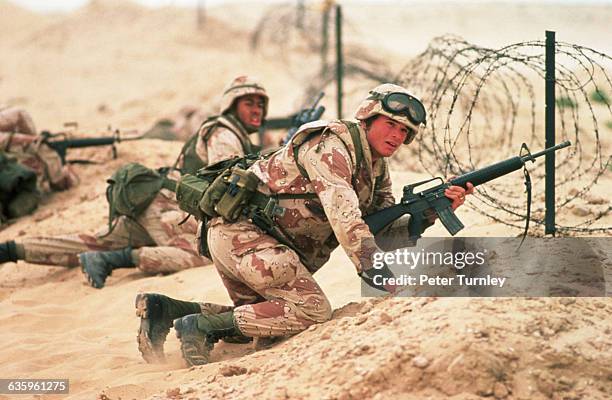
x=421, y=203
x=61, y=143
x=313, y=113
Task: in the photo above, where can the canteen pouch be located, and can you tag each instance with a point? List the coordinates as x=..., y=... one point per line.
x=189, y=193
x=240, y=186
x=214, y=193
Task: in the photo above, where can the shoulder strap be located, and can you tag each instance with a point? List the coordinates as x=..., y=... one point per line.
x=355, y=137
x=231, y=123
x=194, y=138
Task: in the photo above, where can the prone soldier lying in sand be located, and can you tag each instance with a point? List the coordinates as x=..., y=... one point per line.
x=155, y=242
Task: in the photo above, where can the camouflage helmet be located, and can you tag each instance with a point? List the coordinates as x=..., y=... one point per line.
x=373, y=105
x=242, y=86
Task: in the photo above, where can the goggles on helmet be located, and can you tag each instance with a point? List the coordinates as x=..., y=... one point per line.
x=402, y=103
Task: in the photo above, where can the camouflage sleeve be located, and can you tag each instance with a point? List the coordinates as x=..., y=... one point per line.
x=15, y=119
x=42, y=159
x=329, y=168
x=222, y=144
x=383, y=193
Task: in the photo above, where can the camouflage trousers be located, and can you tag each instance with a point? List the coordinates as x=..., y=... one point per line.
x=273, y=292
x=161, y=244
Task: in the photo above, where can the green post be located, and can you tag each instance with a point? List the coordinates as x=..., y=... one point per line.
x=550, y=134
x=339, y=61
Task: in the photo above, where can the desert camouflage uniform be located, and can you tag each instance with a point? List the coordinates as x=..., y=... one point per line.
x=228, y=137
x=16, y=120
x=271, y=285
x=42, y=159
x=161, y=244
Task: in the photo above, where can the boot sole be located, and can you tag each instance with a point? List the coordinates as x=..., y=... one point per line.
x=195, y=350
x=152, y=353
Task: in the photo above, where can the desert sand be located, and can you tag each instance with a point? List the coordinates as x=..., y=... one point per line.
x=120, y=64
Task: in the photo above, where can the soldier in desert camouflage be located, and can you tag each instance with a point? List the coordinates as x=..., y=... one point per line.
x=325, y=179
x=155, y=242
x=18, y=137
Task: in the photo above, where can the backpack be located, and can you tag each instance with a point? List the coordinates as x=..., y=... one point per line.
x=131, y=189
x=19, y=194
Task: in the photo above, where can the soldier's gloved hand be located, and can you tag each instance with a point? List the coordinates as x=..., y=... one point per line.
x=375, y=278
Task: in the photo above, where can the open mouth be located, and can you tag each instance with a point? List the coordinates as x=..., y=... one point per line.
x=392, y=145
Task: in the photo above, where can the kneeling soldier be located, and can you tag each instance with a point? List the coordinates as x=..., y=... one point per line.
x=324, y=180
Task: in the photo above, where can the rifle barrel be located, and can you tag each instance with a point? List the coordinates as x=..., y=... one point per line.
x=84, y=142
x=548, y=150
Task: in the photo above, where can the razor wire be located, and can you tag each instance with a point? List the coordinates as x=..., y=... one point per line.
x=297, y=37
x=483, y=103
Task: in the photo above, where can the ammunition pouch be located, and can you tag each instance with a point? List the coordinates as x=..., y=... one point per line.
x=227, y=196
x=240, y=186
x=214, y=193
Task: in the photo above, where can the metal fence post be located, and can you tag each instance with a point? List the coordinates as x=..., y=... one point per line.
x=339, y=61
x=550, y=133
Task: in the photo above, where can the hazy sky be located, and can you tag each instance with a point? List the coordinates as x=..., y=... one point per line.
x=65, y=5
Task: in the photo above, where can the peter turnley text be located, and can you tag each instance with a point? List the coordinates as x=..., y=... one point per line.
x=427, y=280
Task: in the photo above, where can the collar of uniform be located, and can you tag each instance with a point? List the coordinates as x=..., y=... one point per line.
x=230, y=121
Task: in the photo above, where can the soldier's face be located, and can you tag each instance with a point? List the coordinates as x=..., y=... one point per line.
x=250, y=109
x=385, y=136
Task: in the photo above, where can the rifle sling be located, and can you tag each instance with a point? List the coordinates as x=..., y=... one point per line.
x=169, y=184
x=528, y=190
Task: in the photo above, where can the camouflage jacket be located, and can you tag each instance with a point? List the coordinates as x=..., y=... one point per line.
x=228, y=138
x=16, y=120
x=317, y=226
x=42, y=159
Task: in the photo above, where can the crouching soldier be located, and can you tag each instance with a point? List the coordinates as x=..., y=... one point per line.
x=155, y=241
x=322, y=182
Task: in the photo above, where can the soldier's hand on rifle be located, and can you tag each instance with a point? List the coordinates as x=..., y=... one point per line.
x=457, y=194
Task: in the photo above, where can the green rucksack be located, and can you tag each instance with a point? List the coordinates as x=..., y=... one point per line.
x=19, y=195
x=131, y=190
